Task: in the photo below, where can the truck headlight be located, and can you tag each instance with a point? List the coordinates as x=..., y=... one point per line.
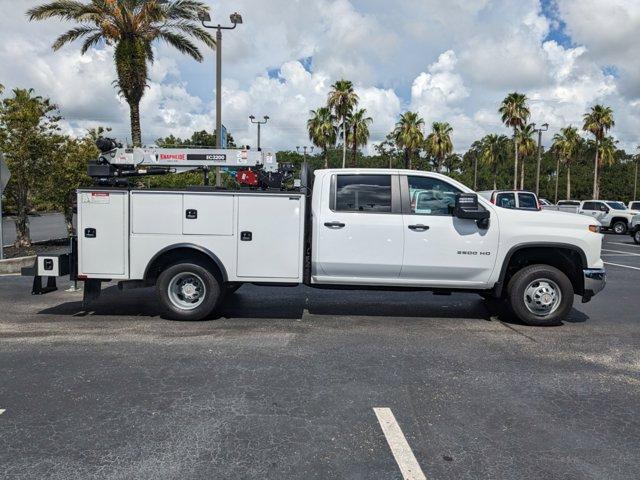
x=594, y=228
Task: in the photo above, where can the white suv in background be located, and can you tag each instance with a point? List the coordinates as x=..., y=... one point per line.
x=611, y=214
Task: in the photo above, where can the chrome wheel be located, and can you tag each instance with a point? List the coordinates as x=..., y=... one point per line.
x=186, y=290
x=636, y=237
x=542, y=297
x=619, y=228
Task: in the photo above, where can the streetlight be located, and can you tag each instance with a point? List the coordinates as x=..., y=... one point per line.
x=236, y=19
x=543, y=128
x=259, y=123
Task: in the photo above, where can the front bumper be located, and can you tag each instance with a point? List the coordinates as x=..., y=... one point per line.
x=594, y=281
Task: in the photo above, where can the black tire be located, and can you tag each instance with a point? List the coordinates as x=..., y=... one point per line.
x=526, y=279
x=619, y=227
x=487, y=296
x=210, y=295
x=636, y=236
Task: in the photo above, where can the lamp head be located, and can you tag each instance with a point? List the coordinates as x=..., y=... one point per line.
x=204, y=16
x=236, y=18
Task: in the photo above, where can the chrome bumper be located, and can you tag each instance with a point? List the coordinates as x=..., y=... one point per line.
x=594, y=281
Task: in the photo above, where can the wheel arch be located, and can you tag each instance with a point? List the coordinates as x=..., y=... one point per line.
x=568, y=258
x=183, y=251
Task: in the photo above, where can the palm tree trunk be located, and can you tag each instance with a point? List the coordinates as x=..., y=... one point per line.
x=557, y=177
x=355, y=149
x=568, y=181
x=23, y=237
x=595, y=175
x=495, y=175
x=325, y=154
x=515, y=162
x=344, y=142
x=522, y=174
x=136, y=131
x=407, y=159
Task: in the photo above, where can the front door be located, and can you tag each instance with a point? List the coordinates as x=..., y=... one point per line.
x=359, y=234
x=440, y=249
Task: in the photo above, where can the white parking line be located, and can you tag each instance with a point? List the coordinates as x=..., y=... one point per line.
x=401, y=450
x=623, y=244
x=623, y=266
x=620, y=251
x=2, y=410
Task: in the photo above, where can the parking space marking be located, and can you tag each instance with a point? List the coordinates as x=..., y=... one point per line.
x=623, y=244
x=2, y=410
x=401, y=450
x=620, y=251
x=619, y=265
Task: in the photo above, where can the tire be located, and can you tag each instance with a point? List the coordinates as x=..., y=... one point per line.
x=619, y=227
x=540, y=295
x=188, y=291
x=486, y=296
x=636, y=236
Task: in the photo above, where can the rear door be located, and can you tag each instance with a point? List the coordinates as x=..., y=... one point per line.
x=360, y=233
x=527, y=201
x=440, y=249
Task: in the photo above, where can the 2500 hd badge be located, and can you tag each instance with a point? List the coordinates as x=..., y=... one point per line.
x=472, y=252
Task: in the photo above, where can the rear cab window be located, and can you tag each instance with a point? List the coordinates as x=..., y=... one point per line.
x=589, y=206
x=527, y=201
x=362, y=193
x=635, y=206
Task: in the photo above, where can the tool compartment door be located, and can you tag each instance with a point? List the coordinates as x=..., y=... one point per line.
x=207, y=214
x=103, y=234
x=270, y=236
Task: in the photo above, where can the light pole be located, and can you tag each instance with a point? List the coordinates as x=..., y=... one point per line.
x=259, y=123
x=236, y=19
x=304, y=150
x=635, y=177
x=543, y=128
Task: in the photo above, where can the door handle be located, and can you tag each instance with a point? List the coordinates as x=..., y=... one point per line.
x=334, y=224
x=419, y=228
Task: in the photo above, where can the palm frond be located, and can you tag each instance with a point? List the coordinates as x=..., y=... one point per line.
x=181, y=43
x=91, y=41
x=64, y=9
x=186, y=9
x=74, y=34
x=195, y=31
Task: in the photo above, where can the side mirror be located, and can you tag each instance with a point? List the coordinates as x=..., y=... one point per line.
x=604, y=208
x=467, y=207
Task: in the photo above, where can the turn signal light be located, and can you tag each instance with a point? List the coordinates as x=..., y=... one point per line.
x=594, y=228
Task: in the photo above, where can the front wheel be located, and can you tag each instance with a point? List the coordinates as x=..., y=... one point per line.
x=540, y=295
x=619, y=227
x=636, y=236
x=188, y=291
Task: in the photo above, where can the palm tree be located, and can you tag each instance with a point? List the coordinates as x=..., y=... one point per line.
x=493, y=151
x=342, y=100
x=567, y=144
x=598, y=121
x=515, y=114
x=132, y=26
x=438, y=142
x=526, y=146
x=323, y=132
x=408, y=135
x=358, y=134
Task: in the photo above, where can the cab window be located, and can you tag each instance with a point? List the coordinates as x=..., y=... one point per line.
x=363, y=193
x=431, y=196
x=527, y=201
x=635, y=205
x=506, y=200
x=589, y=206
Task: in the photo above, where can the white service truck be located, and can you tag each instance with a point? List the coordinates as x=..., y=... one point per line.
x=341, y=229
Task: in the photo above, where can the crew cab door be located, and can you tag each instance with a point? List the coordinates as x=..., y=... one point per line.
x=440, y=249
x=359, y=232
x=597, y=210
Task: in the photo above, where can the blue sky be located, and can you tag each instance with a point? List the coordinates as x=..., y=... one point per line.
x=451, y=61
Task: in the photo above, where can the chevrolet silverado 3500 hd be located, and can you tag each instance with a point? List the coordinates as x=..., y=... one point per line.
x=354, y=228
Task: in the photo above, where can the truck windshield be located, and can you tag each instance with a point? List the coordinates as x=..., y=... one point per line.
x=617, y=205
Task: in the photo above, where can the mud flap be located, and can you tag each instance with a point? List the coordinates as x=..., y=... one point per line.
x=92, y=289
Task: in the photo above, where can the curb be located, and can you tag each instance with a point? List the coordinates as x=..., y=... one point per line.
x=15, y=265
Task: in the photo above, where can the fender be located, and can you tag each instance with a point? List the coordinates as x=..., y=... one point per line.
x=191, y=246
x=505, y=263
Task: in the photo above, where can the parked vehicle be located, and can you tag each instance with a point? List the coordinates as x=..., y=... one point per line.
x=611, y=214
x=348, y=229
x=512, y=199
x=635, y=205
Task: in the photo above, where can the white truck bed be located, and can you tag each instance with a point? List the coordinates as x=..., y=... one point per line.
x=256, y=236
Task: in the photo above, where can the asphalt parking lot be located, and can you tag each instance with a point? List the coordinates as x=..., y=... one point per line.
x=285, y=384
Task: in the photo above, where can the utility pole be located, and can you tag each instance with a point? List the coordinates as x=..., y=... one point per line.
x=635, y=177
x=236, y=19
x=259, y=123
x=543, y=128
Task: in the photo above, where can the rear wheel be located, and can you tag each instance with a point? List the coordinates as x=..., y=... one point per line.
x=619, y=227
x=188, y=291
x=540, y=295
x=636, y=236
